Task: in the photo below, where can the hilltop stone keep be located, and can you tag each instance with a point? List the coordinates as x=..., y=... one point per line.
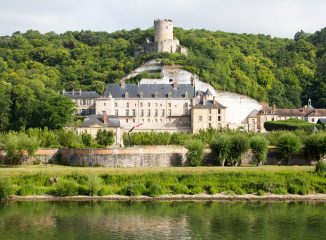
x=163, y=40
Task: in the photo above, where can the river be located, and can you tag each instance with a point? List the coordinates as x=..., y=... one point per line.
x=162, y=220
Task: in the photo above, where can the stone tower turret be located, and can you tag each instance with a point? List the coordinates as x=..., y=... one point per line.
x=163, y=30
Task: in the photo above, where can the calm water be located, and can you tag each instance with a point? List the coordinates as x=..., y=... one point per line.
x=153, y=220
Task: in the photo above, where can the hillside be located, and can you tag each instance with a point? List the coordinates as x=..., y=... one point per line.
x=34, y=67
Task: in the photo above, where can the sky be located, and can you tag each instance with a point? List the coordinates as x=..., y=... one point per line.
x=278, y=18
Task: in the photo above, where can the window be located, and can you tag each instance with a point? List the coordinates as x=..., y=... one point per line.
x=219, y=118
x=134, y=120
x=210, y=111
x=104, y=104
x=142, y=113
x=156, y=112
x=169, y=104
x=116, y=112
x=163, y=113
x=209, y=125
x=313, y=120
x=116, y=104
x=127, y=112
x=133, y=112
x=141, y=104
x=200, y=118
x=127, y=104
x=126, y=120
x=83, y=101
x=149, y=104
x=156, y=104
x=219, y=111
x=210, y=118
x=148, y=113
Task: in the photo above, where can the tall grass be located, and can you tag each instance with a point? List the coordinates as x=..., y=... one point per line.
x=158, y=183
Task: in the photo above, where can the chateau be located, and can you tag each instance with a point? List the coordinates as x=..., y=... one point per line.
x=177, y=101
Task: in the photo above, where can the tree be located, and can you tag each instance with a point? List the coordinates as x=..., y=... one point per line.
x=239, y=145
x=221, y=145
x=288, y=144
x=105, y=137
x=87, y=139
x=259, y=147
x=195, y=152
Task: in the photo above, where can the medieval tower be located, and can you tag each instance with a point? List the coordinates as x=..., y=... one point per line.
x=163, y=39
x=163, y=30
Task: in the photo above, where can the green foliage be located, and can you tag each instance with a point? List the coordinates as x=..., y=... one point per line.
x=6, y=189
x=221, y=145
x=148, y=138
x=134, y=190
x=195, y=152
x=66, y=188
x=239, y=145
x=315, y=145
x=290, y=125
x=105, y=137
x=93, y=184
x=87, y=139
x=288, y=145
x=321, y=166
x=259, y=147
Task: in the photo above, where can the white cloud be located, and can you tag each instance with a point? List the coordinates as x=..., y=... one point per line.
x=274, y=17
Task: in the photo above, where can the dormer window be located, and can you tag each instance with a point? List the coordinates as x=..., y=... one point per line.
x=126, y=95
x=186, y=94
x=169, y=94
x=141, y=94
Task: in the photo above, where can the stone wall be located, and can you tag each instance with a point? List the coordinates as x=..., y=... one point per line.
x=145, y=156
x=152, y=156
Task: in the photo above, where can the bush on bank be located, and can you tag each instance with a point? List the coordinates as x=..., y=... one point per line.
x=290, y=125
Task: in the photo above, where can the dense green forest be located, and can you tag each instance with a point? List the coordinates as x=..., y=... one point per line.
x=34, y=67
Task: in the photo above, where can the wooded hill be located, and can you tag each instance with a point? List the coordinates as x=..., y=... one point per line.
x=34, y=67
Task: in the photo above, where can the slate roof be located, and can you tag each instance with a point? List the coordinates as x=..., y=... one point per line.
x=318, y=113
x=98, y=119
x=254, y=113
x=322, y=120
x=150, y=90
x=209, y=104
x=78, y=94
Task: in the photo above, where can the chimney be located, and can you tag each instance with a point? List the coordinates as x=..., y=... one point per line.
x=80, y=91
x=204, y=100
x=105, y=118
x=175, y=84
x=73, y=91
x=122, y=83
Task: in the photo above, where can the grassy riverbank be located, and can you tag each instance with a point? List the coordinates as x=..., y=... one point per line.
x=72, y=181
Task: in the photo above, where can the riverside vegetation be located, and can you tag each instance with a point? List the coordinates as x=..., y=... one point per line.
x=228, y=145
x=71, y=181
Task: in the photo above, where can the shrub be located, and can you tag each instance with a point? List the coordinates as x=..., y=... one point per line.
x=104, y=137
x=239, y=145
x=86, y=139
x=221, y=145
x=321, y=166
x=93, y=185
x=66, y=188
x=259, y=146
x=290, y=125
x=195, y=152
x=288, y=144
x=133, y=190
x=155, y=190
x=6, y=189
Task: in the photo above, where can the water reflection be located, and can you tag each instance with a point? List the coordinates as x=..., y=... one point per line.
x=154, y=220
